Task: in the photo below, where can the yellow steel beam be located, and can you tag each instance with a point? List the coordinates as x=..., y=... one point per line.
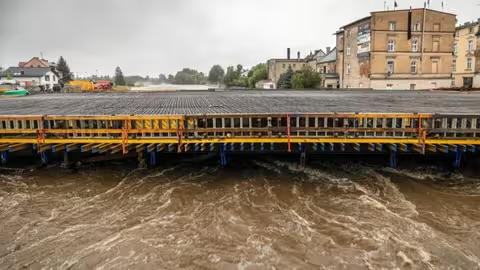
x=17, y=147
x=44, y=147
x=116, y=149
x=151, y=147
x=59, y=147
x=114, y=117
x=238, y=140
x=18, y=131
x=72, y=147
x=140, y=148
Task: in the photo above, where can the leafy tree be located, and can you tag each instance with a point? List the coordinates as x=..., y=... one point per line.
x=305, y=78
x=147, y=78
x=9, y=76
x=64, y=71
x=216, y=74
x=119, y=78
x=171, y=78
x=285, y=80
x=189, y=76
x=162, y=78
x=256, y=74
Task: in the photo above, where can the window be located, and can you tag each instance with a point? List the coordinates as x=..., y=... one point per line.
x=284, y=65
x=469, y=63
x=453, y=83
x=454, y=65
x=471, y=30
x=434, y=66
x=390, y=67
x=436, y=45
x=391, y=45
x=415, y=45
x=413, y=66
x=348, y=33
x=470, y=45
x=412, y=86
x=392, y=26
x=47, y=78
x=436, y=27
x=349, y=50
x=54, y=78
x=455, y=47
x=417, y=27
x=349, y=69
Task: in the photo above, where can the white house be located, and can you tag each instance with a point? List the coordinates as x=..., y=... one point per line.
x=42, y=77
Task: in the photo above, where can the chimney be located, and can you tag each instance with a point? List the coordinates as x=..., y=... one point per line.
x=298, y=56
x=328, y=50
x=288, y=53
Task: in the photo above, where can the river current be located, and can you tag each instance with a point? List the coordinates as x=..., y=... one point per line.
x=258, y=214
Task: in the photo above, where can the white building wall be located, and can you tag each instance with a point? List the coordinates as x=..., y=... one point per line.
x=476, y=81
x=53, y=80
x=405, y=84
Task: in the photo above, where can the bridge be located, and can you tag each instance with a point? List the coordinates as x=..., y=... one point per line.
x=302, y=122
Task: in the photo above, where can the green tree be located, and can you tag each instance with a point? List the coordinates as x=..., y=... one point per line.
x=189, y=76
x=285, y=80
x=162, y=78
x=119, y=78
x=256, y=74
x=171, y=78
x=216, y=74
x=305, y=78
x=9, y=76
x=64, y=71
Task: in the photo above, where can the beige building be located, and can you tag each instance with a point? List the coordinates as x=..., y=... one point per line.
x=398, y=49
x=466, y=59
x=276, y=67
x=327, y=67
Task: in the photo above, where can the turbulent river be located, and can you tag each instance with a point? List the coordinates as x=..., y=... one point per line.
x=254, y=215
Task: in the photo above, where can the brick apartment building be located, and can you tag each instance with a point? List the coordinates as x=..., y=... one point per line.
x=397, y=49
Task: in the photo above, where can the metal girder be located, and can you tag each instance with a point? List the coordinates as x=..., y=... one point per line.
x=443, y=148
x=44, y=147
x=116, y=148
x=17, y=147
x=160, y=147
x=58, y=147
x=151, y=147
x=432, y=148
x=140, y=148
x=87, y=147
x=71, y=147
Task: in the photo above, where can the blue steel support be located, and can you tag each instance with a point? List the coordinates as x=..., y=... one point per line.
x=44, y=158
x=300, y=148
x=315, y=147
x=473, y=148
x=232, y=147
x=223, y=156
x=458, y=160
x=322, y=147
x=343, y=147
x=393, y=155
x=153, y=158
x=272, y=147
x=371, y=147
x=4, y=157
x=170, y=148
x=212, y=147
x=241, y=147
x=197, y=147
x=252, y=147
x=303, y=157
x=262, y=147
x=357, y=147
x=332, y=147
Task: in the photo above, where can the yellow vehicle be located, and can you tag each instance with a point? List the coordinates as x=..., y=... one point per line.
x=80, y=86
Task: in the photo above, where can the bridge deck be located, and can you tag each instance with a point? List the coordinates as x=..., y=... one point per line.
x=243, y=102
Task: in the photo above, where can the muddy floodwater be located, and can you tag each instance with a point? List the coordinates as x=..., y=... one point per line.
x=254, y=215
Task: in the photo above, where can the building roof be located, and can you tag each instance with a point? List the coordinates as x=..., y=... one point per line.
x=27, y=72
x=286, y=60
x=413, y=9
x=330, y=57
x=357, y=21
x=467, y=25
x=315, y=56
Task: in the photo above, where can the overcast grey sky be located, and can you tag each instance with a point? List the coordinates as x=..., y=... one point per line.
x=162, y=36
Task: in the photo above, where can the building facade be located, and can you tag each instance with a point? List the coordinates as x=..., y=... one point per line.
x=41, y=77
x=277, y=67
x=398, y=49
x=327, y=67
x=466, y=59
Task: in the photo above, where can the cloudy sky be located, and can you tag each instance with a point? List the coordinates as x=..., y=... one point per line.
x=148, y=37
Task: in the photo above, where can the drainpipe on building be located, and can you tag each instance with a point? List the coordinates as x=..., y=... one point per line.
x=423, y=37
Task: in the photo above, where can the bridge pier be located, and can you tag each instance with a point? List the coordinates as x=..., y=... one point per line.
x=141, y=161
x=393, y=159
x=153, y=158
x=222, y=155
x=66, y=162
x=3, y=156
x=44, y=158
x=303, y=158
x=457, y=164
